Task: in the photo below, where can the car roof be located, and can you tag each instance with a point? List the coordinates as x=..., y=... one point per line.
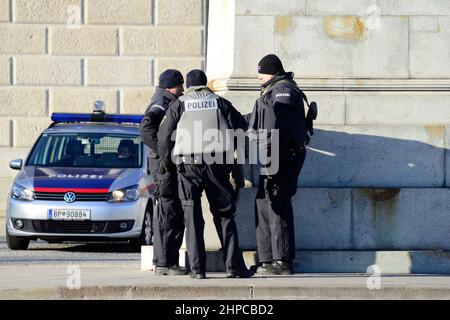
x=98, y=127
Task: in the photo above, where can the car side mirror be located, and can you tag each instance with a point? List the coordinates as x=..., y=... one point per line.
x=16, y=164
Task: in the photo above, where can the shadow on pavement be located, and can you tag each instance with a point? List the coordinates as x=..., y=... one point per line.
x=85, y=247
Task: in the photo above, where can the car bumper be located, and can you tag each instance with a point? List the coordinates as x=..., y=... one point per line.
x=104, y=223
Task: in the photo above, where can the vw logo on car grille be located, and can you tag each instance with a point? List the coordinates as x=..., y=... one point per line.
x=70, y=197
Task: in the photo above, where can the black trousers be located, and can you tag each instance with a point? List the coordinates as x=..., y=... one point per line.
x=168, y=221
x=275, y=234
x=215, y=180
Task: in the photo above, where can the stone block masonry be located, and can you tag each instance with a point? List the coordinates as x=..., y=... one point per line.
x=61, y=55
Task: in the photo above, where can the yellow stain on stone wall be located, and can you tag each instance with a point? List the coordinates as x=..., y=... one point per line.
x=435, y=132
x=344, y=27
x=283, y=24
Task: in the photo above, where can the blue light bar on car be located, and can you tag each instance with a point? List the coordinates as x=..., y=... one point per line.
x=71, y=117
x=96, y=117
x=127, y=118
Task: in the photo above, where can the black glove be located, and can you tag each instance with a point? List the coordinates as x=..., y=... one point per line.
x=237, y=175
x=170, y=167
x=310, y=116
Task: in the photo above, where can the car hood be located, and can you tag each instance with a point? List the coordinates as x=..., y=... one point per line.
x=89, y=180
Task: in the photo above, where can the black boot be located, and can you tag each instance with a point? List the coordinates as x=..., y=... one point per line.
x=266, y=268
x=177, y=271
x=198, y=274
x=282, y=267
x=242, y=273
x=171, y=271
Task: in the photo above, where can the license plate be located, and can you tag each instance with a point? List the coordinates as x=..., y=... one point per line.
x=69, y=214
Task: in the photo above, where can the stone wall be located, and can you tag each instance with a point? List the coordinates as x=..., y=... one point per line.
x=61, y=55
x=327, y=39
x=376, y=174
x=379, y=70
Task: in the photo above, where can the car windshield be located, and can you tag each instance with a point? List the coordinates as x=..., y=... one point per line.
x=87, y=150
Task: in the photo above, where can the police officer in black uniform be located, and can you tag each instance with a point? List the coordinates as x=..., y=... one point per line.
x=200, y=109
x=280, y=107
x=168, y=215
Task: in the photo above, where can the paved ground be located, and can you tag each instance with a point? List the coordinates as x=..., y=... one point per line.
x=105, y=271
x=2, y=226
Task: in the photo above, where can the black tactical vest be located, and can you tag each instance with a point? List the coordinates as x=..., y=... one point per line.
x=265, y=118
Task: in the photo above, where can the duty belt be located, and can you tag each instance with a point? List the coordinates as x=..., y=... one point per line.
x=192, y=159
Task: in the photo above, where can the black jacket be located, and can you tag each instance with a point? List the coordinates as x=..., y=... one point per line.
x=155, y=112
x=281, y=107
x=173, y=116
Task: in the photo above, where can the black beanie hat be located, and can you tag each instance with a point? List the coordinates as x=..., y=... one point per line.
x=196, y=77
x=170, y=79
x=270, y=64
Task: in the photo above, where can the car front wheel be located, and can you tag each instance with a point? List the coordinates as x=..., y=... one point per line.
x=146, y=238
x=147, y=230
x=16, y=243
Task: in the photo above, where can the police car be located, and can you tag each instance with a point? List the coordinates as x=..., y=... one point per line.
x=85, y=179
